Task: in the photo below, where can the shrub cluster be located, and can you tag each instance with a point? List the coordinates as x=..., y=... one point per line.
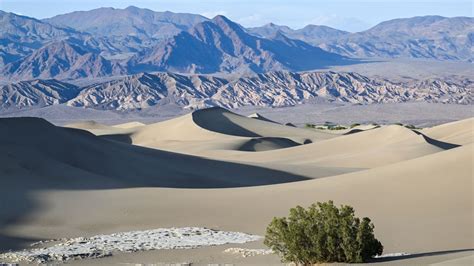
x=337, y=128
x=323, y=233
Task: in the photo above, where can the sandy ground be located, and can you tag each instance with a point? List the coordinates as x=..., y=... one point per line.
x=191, y=171
x=420, y=114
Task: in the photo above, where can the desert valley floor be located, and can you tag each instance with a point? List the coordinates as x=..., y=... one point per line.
x=216, y=169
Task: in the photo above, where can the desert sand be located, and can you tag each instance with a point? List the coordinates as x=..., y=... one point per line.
x=220, y=170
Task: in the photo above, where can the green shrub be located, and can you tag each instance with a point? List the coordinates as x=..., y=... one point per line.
x=355, y=125
x=308, y=125
x=337, y=128
x=322, y=233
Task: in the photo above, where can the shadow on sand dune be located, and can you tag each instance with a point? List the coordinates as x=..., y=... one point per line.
x=419, y=255
x=38, y=156
x=267, y=144
x=215, y=119
x=437, y=143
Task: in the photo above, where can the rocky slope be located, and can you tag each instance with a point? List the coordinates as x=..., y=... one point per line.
x=272, y=89
x=20, y=36
x=313, y=34
x=221, y=45
x=131, y=21
x=107, y=42
x=433, y=37
x=145, y=90
x=65, y=59
x=217, y=45
x=37, y=93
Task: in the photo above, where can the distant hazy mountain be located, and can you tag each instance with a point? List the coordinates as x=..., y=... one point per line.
x=124, y=32
x=313, y=34
x=271, y=89
x=419, y=37
x=131, y=21
x=433, y=37
x=220, y=45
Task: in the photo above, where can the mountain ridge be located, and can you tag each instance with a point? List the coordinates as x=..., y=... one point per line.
x=272, y=89
x=194, y=44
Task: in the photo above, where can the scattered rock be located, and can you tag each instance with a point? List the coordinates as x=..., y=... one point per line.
x=246, y=252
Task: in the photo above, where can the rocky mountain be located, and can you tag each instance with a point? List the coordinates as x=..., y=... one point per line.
x=217, y=45
x=124, y=32
x=106, y=42
x=312, y=34
x=287, y=89
x=36, y=93
x=220, y=45
x=433, y=37
x=64, y=59
x=273, y=89
x=20, y=36
x=131, y=21
x=145, y=90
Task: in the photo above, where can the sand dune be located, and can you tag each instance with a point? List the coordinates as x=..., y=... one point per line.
x=67, y=182
x=413, y=207
x=89, y=125
x=214, y=133
x=225, y=122
x=459, y=132
x=267, y=143
x=216, y=129
x=77, y=149
x=101, y=129
x=368, y=149
x=260, y=117
x=132, y=124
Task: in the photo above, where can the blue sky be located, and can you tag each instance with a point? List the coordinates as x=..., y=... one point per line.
x=342, y=14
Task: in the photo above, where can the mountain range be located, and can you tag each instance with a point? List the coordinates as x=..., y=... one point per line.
x=108, y=42
x=272, y=89
x=433, y=37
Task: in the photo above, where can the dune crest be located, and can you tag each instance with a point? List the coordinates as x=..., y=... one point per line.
x=207, y=169
x=458, y=132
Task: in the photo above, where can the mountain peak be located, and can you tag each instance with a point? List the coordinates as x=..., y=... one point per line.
x=271, y=25
x=132, y=8
x=221, y=18
x=226, y=25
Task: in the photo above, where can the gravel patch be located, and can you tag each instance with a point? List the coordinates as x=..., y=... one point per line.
x=247, y=252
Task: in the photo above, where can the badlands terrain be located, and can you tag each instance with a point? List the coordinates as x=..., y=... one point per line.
x=214, y=177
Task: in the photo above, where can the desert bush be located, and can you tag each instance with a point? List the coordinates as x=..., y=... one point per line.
x=337, y=128
x=354, y=125
x=308, y=125
x=322, y=233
